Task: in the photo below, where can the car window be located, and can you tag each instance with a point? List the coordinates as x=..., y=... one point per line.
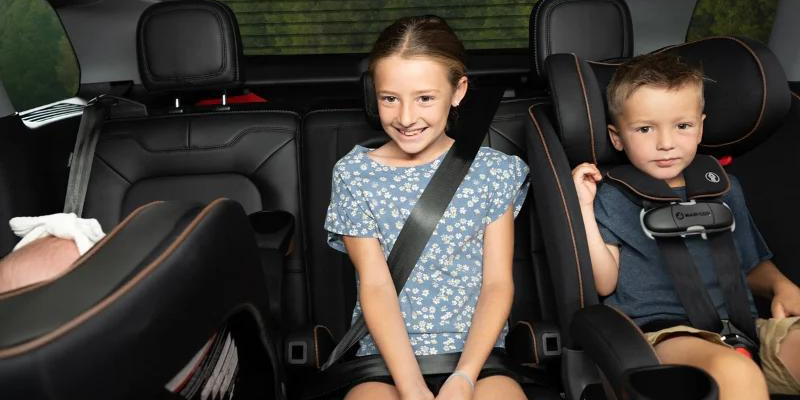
x=278, y=27
x=37, y=63
x=751, y=18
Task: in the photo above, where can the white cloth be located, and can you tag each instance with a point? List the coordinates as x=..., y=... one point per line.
x=85, y=232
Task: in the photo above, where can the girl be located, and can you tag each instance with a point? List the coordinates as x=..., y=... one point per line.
x=458, y=297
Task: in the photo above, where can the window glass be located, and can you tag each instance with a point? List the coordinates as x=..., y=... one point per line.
x=277, y=27
x=751, y=18
x=37, y=63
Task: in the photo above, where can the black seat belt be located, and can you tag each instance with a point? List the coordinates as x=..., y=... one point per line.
x=478, y=109
x=95, y=113
x=80, y=163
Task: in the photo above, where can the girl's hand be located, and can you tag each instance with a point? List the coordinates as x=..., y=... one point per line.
x=786, y=301
x=455, y=388
x=419, y=391
x=585, y=177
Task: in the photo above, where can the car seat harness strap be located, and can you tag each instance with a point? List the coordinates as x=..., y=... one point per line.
x=669, y=220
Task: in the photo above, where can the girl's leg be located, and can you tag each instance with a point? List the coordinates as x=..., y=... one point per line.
x=737, y=376
x=372, y=390
x=498, y=387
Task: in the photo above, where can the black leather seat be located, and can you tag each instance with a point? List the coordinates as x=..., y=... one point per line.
x=744, y=106
x=247, y=156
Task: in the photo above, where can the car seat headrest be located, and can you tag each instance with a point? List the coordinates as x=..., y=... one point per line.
x=592, y=29
x=187, y=45
x=746, y=97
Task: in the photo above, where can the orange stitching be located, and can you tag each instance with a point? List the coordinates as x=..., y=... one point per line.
x=563, y=201
x=627, y=318
x=82, y=258
x=533, y=336
x=763, y=84
x=603, y=63
x=588, y=113
x=56, y=333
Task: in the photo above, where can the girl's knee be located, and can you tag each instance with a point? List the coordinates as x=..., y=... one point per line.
x=372, y=390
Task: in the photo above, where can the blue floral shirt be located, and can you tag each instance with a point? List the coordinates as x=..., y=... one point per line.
x=370, y=199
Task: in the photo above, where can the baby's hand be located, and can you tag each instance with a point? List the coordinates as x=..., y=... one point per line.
x=585, y=177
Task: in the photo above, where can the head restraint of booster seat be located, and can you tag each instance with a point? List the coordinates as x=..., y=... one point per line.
x=563, y=26
x=746, y=98
x=189, y=45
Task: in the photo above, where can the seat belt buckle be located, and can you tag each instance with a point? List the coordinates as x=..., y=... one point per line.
x=683, y=219
x=740, y=342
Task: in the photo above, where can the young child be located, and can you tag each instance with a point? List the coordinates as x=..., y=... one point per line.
x=656, y=103
x=458, y=297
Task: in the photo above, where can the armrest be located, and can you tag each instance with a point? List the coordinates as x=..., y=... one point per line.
x=623, y=355
x=273, y=229
x=612, y=341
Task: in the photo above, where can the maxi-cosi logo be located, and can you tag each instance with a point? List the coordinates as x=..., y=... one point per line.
x=679, y=215
x=712, y=177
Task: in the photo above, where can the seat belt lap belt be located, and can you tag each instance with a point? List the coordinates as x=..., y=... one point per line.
x=469, y=131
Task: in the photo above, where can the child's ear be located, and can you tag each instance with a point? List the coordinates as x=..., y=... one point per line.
x=613, y=134
x=702, y=121
x=461, y=91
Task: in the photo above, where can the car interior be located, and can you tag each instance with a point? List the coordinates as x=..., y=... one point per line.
x=209, y=167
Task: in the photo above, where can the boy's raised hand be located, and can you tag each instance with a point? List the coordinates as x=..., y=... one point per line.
x=585, y=176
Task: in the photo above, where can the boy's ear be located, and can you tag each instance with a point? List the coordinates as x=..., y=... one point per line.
x=613, y=134
x=461, y=91
x=702, y=121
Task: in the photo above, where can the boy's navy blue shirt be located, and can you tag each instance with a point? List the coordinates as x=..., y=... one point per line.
x=645, y=291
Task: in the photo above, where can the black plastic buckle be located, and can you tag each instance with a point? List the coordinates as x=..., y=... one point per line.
x=735, y=338
x=687, y=219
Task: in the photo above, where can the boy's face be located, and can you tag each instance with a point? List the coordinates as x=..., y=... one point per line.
x=659, y=130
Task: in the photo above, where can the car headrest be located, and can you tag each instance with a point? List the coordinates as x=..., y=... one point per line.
x=591, y=29
x=746, y=97
x=188, y=45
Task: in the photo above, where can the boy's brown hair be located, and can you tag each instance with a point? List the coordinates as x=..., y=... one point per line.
x=660, y=70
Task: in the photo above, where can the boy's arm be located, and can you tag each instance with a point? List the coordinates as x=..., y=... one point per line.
x=381, y=310
x=605, y=257
x=767, y=281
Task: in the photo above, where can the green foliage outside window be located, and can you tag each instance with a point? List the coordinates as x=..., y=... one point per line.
x=351, y=26
x=37, y=63
x=751, y=18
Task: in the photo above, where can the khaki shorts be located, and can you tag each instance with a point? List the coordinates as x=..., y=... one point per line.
x=771, y=332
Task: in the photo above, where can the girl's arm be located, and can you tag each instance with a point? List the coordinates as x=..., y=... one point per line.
x=494, y=302
x=381, y=310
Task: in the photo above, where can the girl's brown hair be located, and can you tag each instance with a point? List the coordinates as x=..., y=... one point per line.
x=422, y=36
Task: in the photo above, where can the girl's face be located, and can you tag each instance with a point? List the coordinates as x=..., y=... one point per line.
x=414, y=99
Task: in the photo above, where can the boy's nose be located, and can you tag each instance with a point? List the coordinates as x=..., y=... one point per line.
x=664, y=141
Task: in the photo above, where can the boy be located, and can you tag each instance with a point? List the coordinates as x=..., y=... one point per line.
x=656, y=104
